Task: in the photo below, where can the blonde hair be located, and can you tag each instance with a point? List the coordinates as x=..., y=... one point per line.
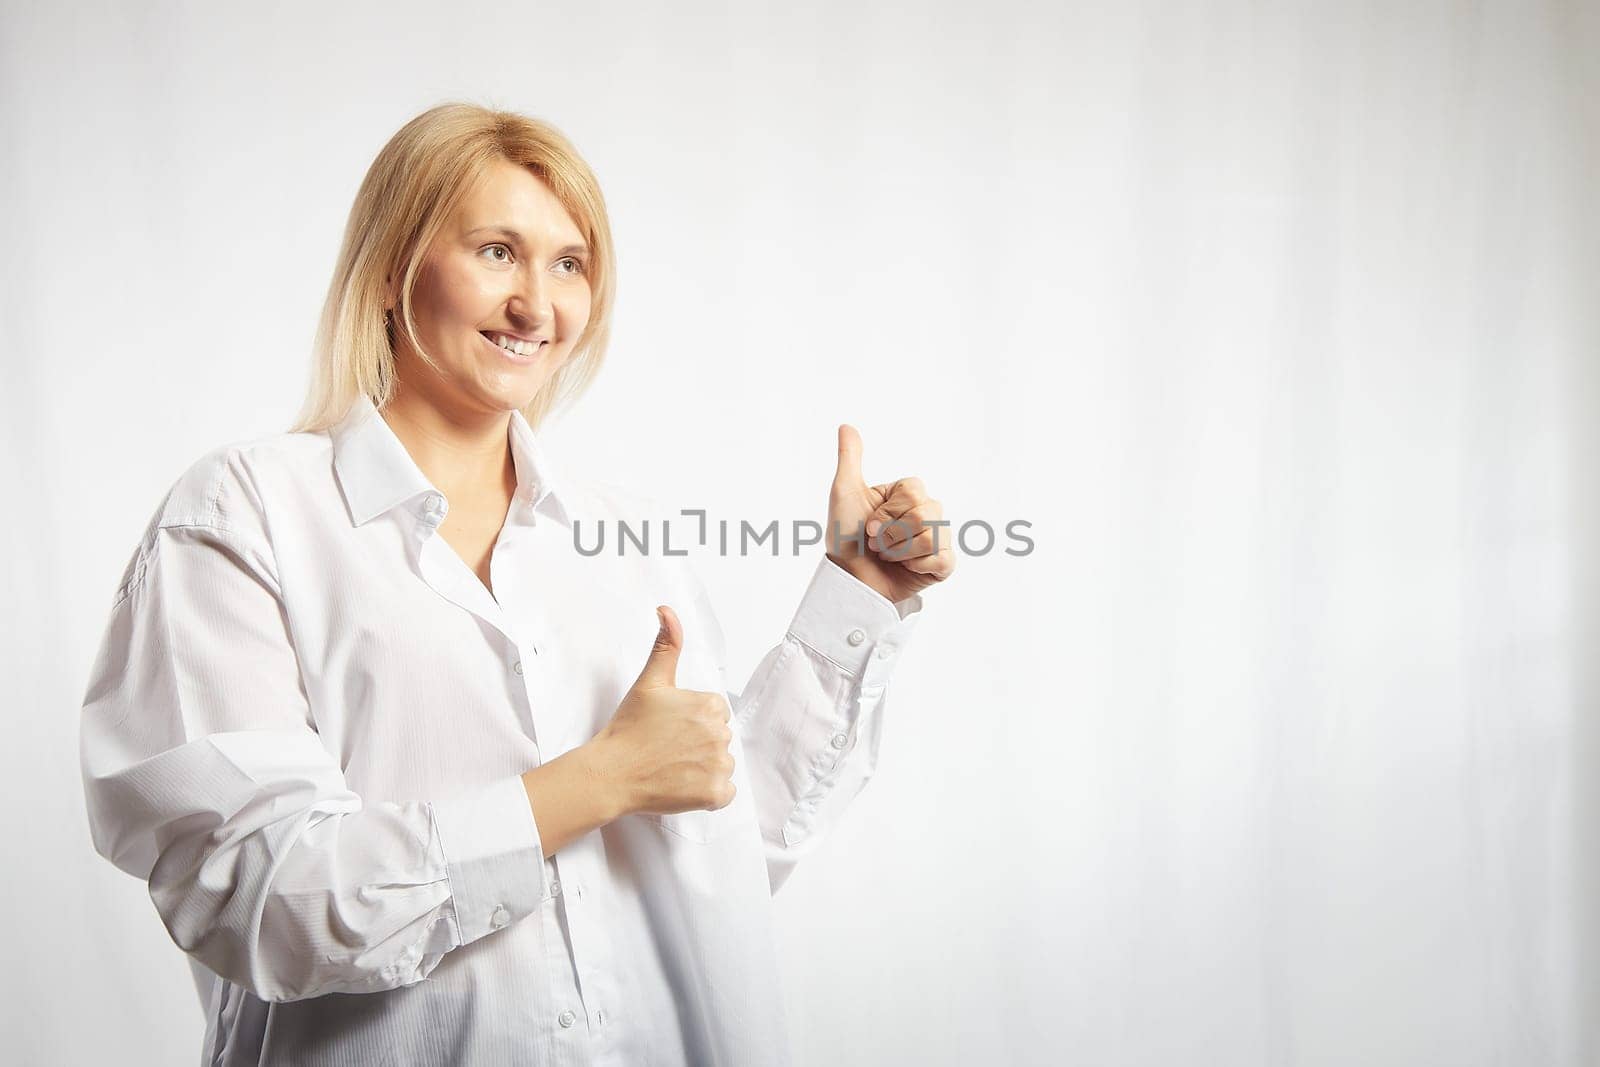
x=412, y=187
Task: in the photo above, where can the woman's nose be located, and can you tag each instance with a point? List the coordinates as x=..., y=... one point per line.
x=532, y=299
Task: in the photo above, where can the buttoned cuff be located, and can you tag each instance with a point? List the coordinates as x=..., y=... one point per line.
x=823, y=713
x=494, y=857
x=851, y=623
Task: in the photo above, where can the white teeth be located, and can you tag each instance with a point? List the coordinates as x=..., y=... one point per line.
x=510, y=344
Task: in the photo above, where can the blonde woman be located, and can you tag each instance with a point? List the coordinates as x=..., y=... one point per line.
x=410, y=778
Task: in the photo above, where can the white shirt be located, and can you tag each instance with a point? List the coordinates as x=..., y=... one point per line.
x=306, y=727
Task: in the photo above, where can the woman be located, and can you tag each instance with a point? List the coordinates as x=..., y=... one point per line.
x=410, y=778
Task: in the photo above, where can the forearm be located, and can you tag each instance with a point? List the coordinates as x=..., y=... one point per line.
x=335, y=894
x=811, y=714
x=570, y=796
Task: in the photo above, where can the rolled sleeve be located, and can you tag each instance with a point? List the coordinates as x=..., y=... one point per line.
x=493, y=856
x=205, y=777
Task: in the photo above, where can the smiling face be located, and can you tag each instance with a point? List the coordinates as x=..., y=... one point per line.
x=509, y=267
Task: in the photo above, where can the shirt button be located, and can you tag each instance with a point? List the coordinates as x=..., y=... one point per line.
x=555, y=889
x=856, y=636
x=500, y=916
x=517, y=666
x=885, y=651
x=566, y=1018
x=838, y=740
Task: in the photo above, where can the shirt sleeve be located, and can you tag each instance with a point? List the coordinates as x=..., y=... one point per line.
x=811, y=715
x=204, y=775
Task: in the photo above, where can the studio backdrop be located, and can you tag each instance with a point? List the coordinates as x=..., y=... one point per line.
x=1275, y=324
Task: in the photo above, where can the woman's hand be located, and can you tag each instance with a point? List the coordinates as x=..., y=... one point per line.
x=891, y=521
x=665, y=749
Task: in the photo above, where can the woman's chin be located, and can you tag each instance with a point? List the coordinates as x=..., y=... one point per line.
x=516, y=391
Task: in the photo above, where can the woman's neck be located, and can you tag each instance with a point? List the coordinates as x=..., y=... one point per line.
x=466, y=455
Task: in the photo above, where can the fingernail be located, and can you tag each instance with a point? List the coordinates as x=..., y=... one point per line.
x=873, y=526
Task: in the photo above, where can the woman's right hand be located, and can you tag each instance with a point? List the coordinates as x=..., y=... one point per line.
x=665, y=749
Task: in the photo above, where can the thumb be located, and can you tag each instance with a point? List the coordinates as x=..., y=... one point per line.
x=848, y=472
x=661, y=669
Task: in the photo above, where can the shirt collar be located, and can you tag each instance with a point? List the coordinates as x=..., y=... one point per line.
x=377, y=474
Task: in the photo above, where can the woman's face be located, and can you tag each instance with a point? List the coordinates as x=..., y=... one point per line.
x=510, y=264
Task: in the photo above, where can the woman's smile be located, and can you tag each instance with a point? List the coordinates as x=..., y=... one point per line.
x=517, y=351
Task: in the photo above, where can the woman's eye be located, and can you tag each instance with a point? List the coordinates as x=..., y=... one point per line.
x=577, y=264
x=498, y=259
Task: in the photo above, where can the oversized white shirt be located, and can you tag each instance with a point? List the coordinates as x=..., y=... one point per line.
x=306, y=729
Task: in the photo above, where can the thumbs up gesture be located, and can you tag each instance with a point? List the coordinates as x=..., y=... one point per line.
x=897, y=556
x=665, y=749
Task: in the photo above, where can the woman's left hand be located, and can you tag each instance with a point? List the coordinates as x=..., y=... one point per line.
x=891, y=521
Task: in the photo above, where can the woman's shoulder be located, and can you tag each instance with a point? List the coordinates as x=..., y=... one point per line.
x=224, y=488
x=218, y=497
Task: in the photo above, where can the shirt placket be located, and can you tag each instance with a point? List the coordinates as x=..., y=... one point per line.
x=448, y=575
x=579, y=914
x=584, y=1001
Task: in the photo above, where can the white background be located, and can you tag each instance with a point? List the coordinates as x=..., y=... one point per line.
x=1277, y=322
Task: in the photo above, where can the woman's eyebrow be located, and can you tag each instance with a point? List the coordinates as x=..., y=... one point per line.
x=516, y=238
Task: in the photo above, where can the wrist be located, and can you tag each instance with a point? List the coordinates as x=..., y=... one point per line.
x=598, y=769
x=862, y=570
x=849, y=562
x=570, y=796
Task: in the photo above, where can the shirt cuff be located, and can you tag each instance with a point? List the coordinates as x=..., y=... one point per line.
x=494, y=857
x=851, y=623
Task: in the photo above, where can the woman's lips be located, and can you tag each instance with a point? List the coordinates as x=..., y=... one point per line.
x=521, y=361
